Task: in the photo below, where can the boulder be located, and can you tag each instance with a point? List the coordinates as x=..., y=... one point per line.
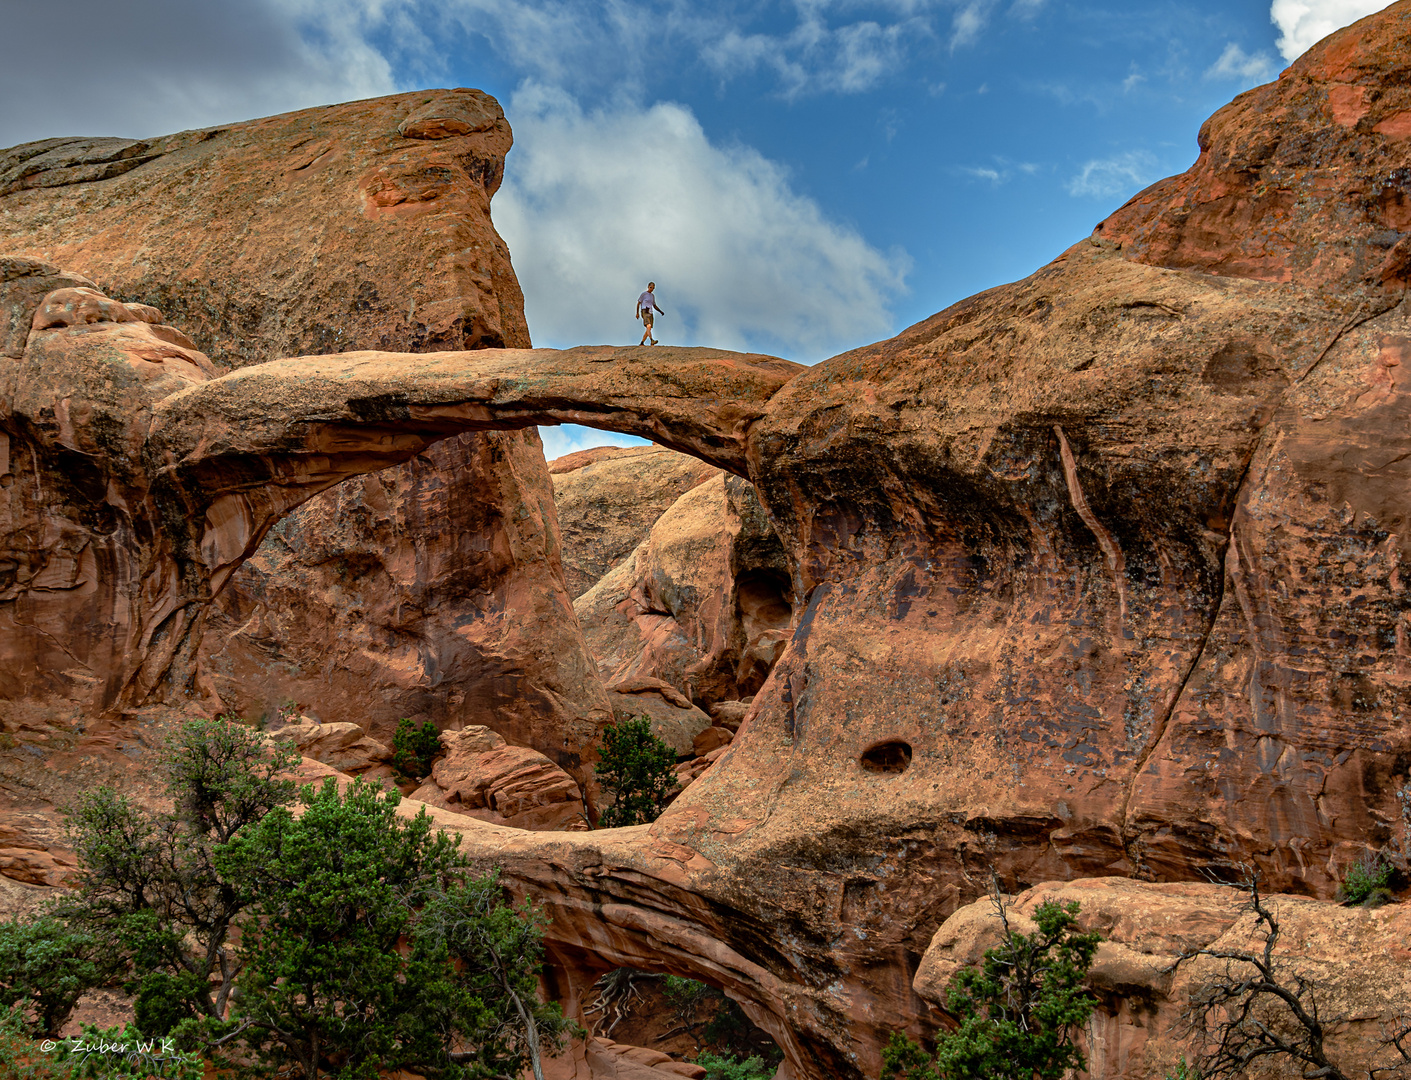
x=712, y=738
x=483, y=777
x=608, y=499
x=674, y=725
x=702, y=604
x=1353, y=955
x=342, y=745
x=730, y=714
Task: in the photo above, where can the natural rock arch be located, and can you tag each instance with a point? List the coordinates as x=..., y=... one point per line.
x=122, y=416
x=1115, y=550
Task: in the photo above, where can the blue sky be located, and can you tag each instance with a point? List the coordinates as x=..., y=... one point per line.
x=799, y=176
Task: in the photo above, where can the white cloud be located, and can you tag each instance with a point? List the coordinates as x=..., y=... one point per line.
x=1116, y=177
x=814, y=56
x=1304, y=23
x=969, y=21
x=1235, y=63
x=166, y=65
x=595, y=204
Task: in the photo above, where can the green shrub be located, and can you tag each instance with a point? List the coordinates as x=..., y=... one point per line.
x=638, y=769
x=1184, y=1071
x=1366, y=882
x=115, y=1053
x=414, y=748
x=46, y=966
x=728, y=1067
x=362, y=945
x=363, y=941
x=1018, y=1010
x=151, y=897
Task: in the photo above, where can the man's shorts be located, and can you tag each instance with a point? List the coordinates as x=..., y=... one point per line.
x=647, y=316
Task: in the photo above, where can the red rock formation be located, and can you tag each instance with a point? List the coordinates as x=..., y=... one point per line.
x=1301, y=180
x=701, y=604
x=363, y=225
x=607, y=500
x=388, y=597
x=1355, y=957
x=138, y=525
x=1094, y=574
x=483, y=777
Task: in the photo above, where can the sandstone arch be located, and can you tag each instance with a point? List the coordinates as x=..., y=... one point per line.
x=1115, y=549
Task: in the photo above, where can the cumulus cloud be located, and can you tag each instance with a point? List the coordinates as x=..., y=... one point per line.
x=818, y=46
x=1236, y=64
x=596, y=204
x=1116, y=177
x=1304, y=23
x=166, y=65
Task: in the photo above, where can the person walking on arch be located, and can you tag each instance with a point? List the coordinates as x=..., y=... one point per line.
x=646, y=304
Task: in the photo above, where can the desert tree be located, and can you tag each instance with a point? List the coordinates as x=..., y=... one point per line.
x=1260, y=1006
x=1019, y=1011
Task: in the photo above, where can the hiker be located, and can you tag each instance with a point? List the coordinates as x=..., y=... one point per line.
x=646, y=303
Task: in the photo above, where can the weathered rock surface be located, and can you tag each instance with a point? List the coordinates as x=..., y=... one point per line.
x=1098, y=574
x=675, y=722
x=132, y=530
x=603, y=1059
x=702, y=604
x=313, y=231
x=362, y=225
x=483, y=777
x=1355, y=957
x=1094, y=574
x=607, y=500
x=32, y=851
x=343, y=746
x=391, y=596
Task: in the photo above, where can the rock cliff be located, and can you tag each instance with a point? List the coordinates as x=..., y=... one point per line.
x=1094, y=574
x=362, y=225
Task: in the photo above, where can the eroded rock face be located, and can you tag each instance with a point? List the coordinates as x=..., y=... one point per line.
x=363, y=225
x=607, y=500
x=1094, y=574
x=313, y=231
x=701, y=604
x=1097, y=574
x=390, y=597
x=139, y=523
x=1355, y=957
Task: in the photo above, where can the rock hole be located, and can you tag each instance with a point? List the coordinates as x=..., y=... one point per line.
x=765, y=614
x=891, y=756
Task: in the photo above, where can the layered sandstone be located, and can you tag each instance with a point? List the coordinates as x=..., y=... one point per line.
x=1355, y=957
x=1094, y=574
x=361, y=225
x=607, y=500
x=483, y=777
